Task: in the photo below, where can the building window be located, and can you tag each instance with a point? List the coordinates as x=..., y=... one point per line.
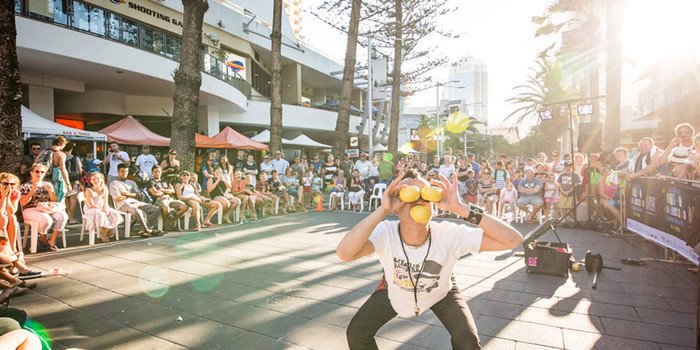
x=97, y=21
x=18, y=6
x=172, y=47
x=60, y=15
x=130, y=32
x=81, y=16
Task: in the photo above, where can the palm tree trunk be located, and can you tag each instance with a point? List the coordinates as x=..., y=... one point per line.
x=10, y=92
x=613, y=74
x=396, y=81
x=342, y=124
x=188, y=79
x=276, y=80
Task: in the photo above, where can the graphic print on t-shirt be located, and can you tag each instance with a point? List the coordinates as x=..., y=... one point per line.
x=427, y=280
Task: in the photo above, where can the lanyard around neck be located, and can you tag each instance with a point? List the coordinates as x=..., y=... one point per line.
x=408, y=266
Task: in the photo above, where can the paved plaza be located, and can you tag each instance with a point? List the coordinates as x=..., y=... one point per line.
x=277, y=284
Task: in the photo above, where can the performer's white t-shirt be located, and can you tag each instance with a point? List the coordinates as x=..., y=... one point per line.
x=450, y=241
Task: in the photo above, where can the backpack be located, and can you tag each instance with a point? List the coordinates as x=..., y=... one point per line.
x=45, y=158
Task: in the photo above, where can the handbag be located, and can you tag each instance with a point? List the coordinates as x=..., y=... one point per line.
x=48, y=207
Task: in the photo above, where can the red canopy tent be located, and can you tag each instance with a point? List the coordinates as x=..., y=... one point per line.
x=239, y=141
x=129, y=131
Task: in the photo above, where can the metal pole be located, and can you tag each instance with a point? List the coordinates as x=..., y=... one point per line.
x=437, y=116
x=571, y=138
x=369, y=94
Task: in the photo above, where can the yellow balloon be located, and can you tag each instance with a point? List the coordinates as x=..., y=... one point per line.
x=457, y=123
x=409, y=194
x=431, y=193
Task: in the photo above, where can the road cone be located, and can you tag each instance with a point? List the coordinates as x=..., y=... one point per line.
x=319, y=203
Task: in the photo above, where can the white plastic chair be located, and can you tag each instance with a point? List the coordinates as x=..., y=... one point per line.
x=522, y=215
x=91, y=235
x=377, y=194
x=127, y=220
x=362, y=203
x=33, y=227
x=340, y=196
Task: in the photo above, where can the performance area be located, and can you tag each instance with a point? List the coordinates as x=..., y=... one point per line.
x=277, y=284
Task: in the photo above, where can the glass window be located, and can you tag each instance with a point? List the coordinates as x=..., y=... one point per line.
x=146, y=35
x=158, y=43
x=80, y=16
x=172, y=48
x=40, y=9
x=97, y=21
x=115, y=27
x=18, y=6
x=130, y=32
x=59, y=12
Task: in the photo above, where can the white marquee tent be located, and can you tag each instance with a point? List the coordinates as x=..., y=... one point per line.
x=36, y=126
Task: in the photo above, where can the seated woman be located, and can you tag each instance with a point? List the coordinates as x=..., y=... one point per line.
x=218, y=189
x=608, y=192
x=9, y=201
x=212, y=205
x=279, y=190
x=356, y=189
x=188, y=193
x=337, y=187
x=487, y=191
x=509, y=196
x=239, y=190
x=291, y=182
x=39, y=203
x=97, y=212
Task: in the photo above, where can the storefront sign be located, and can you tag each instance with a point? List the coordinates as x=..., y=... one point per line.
x=665, y=212
x=155, y=14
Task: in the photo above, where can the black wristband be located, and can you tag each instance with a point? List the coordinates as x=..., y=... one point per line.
x=476, y=213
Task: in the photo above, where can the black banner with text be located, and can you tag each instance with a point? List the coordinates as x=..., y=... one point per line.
x=665, y=212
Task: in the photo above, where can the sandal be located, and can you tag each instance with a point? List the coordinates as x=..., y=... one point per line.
x=208, y=224
x=53, y=248
x=197, y=228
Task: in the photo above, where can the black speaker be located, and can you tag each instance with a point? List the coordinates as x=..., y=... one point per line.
x=590, y=137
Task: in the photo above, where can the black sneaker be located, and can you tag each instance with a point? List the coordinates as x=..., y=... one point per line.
x=30, y=275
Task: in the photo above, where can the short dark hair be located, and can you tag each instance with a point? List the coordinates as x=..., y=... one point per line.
x=124, y=165
x=412, y=174
x=35, y=144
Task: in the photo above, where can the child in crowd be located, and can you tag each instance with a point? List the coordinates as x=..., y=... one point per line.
x=472, y=185
x=509, y=196
x=517, y=176
x=306, y=181
x=551, y=196
x=316, y=186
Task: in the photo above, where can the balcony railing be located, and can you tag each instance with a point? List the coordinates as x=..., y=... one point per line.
x=96, y=21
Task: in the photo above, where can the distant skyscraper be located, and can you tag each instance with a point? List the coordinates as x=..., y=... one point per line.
x=470, y=72
x=294, y=11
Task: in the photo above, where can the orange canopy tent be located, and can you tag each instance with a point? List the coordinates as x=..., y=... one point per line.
x=129, y=131
x=239, y=141
x=201, y=141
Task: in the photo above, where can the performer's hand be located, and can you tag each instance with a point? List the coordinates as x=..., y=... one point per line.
x=390, y=201
x=450, y=197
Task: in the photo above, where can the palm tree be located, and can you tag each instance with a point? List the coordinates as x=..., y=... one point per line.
x=543, y=88
x=10, y=92
x=343, y=121
x=276, y=79
x=188, y=79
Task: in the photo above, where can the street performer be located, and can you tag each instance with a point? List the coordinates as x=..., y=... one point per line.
x=418, y=255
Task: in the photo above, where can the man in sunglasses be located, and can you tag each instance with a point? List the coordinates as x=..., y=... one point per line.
x=28, y=161
x=418, y=259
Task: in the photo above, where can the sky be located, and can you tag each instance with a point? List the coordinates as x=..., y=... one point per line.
x=497, y=31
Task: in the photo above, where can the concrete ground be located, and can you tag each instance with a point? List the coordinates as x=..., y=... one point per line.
x=277, y=284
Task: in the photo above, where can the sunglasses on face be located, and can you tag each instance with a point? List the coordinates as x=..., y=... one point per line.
x=36, y=148
x=8, y=183
x=39, y=172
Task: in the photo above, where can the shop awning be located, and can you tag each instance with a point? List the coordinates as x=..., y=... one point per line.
x=264, y=137
x=238, y=141
x=304, y=141
x=36, y=126
x=129, y=131
x=202, y=141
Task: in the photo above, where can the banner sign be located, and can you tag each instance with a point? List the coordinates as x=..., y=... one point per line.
x=665, y=212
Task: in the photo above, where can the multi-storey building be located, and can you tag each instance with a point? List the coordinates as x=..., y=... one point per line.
x=94, y=61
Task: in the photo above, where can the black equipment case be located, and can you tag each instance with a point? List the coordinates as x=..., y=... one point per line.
x=548, y=258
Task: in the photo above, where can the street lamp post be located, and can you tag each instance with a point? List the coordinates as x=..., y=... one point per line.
x=465, y=131
x=369, y=94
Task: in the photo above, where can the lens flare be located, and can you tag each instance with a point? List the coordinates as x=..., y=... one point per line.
x=388, y=156
x=154, y=281
x=457, y=123
x=207, y=283
x=407, y=148
x=41, y=332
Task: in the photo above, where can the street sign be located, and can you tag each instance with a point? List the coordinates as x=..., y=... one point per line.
x=379, y=72
x=353, y=152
